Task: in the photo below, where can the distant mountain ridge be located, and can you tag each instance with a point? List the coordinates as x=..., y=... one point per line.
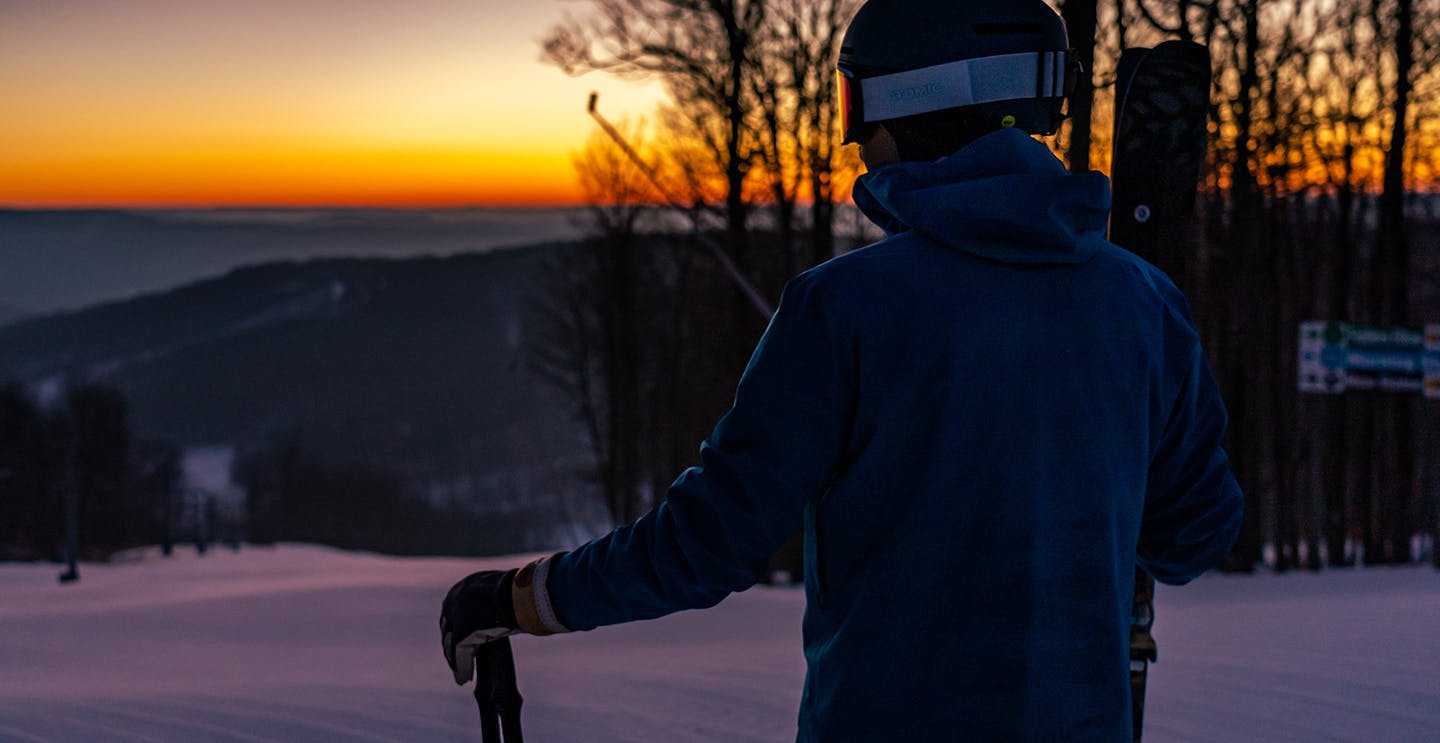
x=62, y=260
x=10, y=313
x=416, y=366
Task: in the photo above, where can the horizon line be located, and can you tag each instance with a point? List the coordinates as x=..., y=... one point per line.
x=107, y=207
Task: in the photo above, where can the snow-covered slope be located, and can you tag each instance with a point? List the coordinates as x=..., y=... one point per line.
x=311, y=644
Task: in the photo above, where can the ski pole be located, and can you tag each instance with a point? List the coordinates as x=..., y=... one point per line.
x=496, y=693
x=1142, y=647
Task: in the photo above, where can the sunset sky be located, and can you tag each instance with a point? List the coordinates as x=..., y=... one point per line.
x=291, y=102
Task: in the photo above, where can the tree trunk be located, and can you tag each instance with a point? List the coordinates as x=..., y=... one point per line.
x=1365, y=465
x=735, y=207
x=1080, y=19
x=1334, y=465
x=1282, y=395
x=1393, y=258
x=1246, y=408
x=621, y=364
x=822, y=223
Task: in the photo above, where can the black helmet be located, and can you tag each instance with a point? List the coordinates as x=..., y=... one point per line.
x=1008, y=58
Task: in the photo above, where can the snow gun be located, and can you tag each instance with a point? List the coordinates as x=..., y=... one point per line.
x=737, y=277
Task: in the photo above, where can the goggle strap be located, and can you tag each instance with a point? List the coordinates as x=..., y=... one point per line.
x=967, y=82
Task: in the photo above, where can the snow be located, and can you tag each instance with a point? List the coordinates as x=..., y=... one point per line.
x=206, y=468
x=302, y=643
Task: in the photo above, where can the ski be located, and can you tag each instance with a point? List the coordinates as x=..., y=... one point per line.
x=1162, y=101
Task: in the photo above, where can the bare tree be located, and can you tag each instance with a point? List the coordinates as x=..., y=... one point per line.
x=588, y=345
x=700, y=50
x=1316, y=118
x=1081, y=18
x=805, y=39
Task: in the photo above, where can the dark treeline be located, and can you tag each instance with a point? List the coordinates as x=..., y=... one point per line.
x=645, y=330
x=365, y=403
x=650, y=373
x=80, y=453
x=1310, y=212
x=1324, y=130
x=294, y=496
x=647, y=375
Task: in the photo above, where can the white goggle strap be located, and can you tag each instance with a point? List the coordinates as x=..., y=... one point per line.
x=968, y=82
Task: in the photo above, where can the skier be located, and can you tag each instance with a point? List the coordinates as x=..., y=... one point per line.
x=982, y=422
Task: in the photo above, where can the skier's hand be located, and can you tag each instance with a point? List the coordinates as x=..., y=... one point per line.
x=477, y=610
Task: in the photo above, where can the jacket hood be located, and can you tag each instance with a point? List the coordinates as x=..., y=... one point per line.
x=1004, y=197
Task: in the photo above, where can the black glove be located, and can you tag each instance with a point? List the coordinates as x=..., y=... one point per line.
x=477, y=610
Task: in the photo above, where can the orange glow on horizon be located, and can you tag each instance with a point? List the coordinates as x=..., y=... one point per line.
x=204, y=103
x=399, y=178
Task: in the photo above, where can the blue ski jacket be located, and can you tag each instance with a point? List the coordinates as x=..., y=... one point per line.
x=981, y=422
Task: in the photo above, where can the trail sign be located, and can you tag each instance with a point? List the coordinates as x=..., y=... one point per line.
x=1338, y=357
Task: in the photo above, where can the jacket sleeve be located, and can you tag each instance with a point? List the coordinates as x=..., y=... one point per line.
x=1193, y=505
x=719, y=523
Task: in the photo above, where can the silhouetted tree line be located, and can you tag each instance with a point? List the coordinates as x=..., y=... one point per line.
x=1320, y=141
x=80, y=453
x=1324, y=147
x=293, y=496
x=650, y=373
x=645, y=329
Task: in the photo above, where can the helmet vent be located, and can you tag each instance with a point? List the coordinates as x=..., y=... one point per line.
x=1008, y=28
